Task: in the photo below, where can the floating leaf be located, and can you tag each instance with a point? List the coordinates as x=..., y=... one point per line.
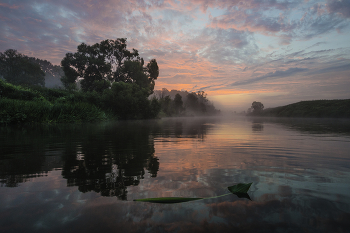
x=243, y=195
x=239, y=188
x=168, y=200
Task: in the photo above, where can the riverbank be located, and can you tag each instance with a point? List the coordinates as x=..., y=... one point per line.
x=314, y=108
x=45, y=105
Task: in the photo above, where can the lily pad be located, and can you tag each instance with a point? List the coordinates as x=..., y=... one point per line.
x=239, y=188
x=168, y=200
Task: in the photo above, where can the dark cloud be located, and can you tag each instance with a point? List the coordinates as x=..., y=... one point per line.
x=276, y=74
x=341, y=7
x=52, y=28
x=335, y=68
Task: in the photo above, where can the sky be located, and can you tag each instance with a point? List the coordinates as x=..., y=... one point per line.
x=273, y=51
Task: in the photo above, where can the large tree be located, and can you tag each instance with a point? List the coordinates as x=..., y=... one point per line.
x=257, y=106
x=101, y=64
x=18, y=69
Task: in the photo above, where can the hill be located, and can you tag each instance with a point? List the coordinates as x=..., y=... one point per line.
x=314, y=108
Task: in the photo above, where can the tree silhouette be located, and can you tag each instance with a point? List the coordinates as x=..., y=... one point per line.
x=109, y=165
x=257, y=106
x=106, y=62
x=18, y=69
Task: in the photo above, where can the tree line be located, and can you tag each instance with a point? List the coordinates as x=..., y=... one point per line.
x=183, y=103
x=115, y=80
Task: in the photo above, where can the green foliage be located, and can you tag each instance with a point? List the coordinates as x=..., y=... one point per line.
x=168, y=200
x=239, y=189
x=129, y=101
x=114, y=83
x=106, y=62
x=40, y=110
x=315, y=108
x=39, y=104
x=11, y=91
x=20, y=70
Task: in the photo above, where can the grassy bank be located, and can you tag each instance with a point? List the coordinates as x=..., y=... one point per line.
x=43, y=105
x=314, y=108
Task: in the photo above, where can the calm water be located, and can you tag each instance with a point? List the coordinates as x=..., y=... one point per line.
x=84, y=178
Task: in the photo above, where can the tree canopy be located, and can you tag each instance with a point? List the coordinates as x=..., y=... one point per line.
x=18, y=69
x=257, y=106
x=101, y=64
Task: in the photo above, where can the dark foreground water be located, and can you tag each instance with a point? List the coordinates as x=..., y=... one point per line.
x=84, y=178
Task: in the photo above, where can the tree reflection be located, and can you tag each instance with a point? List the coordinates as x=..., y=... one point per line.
x=22, y=155
x=105, y=158
x=257, y=125
x=306, y=125
x=111, y=161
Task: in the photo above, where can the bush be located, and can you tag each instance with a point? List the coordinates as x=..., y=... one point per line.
x=16, y=92
x=38, y=104
x=20, y=111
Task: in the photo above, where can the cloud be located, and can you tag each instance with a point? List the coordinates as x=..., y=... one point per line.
x=335, y=68
x=217, y=46
x=341, y=7
x=226, y=46
x=254, y=21
x=282, y=21
x=276, y=74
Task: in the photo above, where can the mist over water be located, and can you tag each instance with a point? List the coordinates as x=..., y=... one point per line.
x=76, y=178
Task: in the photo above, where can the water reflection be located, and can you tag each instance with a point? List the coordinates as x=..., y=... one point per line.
x=105, y=158
x=23, y=155
x=257, y=125
x=107, y=162
x=300, y=171
x=308, y=125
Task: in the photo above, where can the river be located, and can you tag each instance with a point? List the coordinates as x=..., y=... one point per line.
x=84, y=177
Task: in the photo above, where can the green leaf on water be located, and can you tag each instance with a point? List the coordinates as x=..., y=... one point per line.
x=239, y=188
x=168, y=200
x=243, y=195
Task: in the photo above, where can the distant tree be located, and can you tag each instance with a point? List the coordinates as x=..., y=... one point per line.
x=47, y=67
x=257, y=106
x=178, y=103
x=192, y=101
x=166, y=104
x=202, y=99
x=18, y=69
x=53, y=73
x=109, y=61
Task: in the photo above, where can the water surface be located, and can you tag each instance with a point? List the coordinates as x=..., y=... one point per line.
x=84, y=178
